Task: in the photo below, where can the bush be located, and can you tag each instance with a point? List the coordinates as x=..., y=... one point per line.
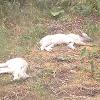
x=84, y=7
x=88, y=7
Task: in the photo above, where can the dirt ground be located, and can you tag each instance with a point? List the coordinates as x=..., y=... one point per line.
x=62, y=74
x=57, y=75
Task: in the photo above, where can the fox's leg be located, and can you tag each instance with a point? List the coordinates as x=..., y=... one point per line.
x=24, y=75
x=16, y=76
x=49, y=48
x=71, y=45
x=43, y=46
x=81, y=43
x=4, y=70
x=20, y=75
x=84, y=44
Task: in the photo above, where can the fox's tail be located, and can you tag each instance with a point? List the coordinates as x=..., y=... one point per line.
x=2, y=65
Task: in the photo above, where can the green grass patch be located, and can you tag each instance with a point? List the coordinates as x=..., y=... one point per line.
x=31, y=37
x=41, y=81
x=4, y=41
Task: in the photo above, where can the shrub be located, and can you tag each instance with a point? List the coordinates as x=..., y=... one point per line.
x=83, y=9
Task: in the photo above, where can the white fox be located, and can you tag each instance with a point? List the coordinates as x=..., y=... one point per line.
x=16, y=66
x=49, y=41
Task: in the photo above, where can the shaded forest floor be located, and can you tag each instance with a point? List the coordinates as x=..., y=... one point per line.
x=62, y=74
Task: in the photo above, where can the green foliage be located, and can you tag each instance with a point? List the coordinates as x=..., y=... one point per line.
x=67, y=59
x=87, y=7
x=55, y=8
x=56, y=12
x=92, y=66
x=84, y=52
x=9, y=8
x=94, y=69
x=83, y=9
x=43, y=77
x=28, y=39
x=39, y=88
x=90, y=54
x=45, y=73
x=33, y=35
x=92, y=28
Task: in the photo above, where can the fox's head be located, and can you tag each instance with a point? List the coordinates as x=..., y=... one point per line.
x=85, y=37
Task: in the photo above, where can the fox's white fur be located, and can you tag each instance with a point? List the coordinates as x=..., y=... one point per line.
x=16, y=66
x=49, y=41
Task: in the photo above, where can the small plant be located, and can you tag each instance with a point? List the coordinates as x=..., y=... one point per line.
x=56, y=12
x=91, y=55
x=68, y=59
x=92, y=28
x=42, y=79
x=39, y=88
x=84, y=52
x=44, y=74
x=92, y=68
x=83, y=9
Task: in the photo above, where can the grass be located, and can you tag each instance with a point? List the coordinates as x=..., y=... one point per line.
x=52, y=72
x=30, y=38
x=93, y=67
x=22, y=43
x=5, y=42
x=38, y=83
x=92, y=28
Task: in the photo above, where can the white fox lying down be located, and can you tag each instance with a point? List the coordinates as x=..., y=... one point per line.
x=16, y=66
x=49, y=41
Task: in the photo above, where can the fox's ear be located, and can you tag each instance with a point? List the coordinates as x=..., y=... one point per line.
x=80, y=34
x=83, y=35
